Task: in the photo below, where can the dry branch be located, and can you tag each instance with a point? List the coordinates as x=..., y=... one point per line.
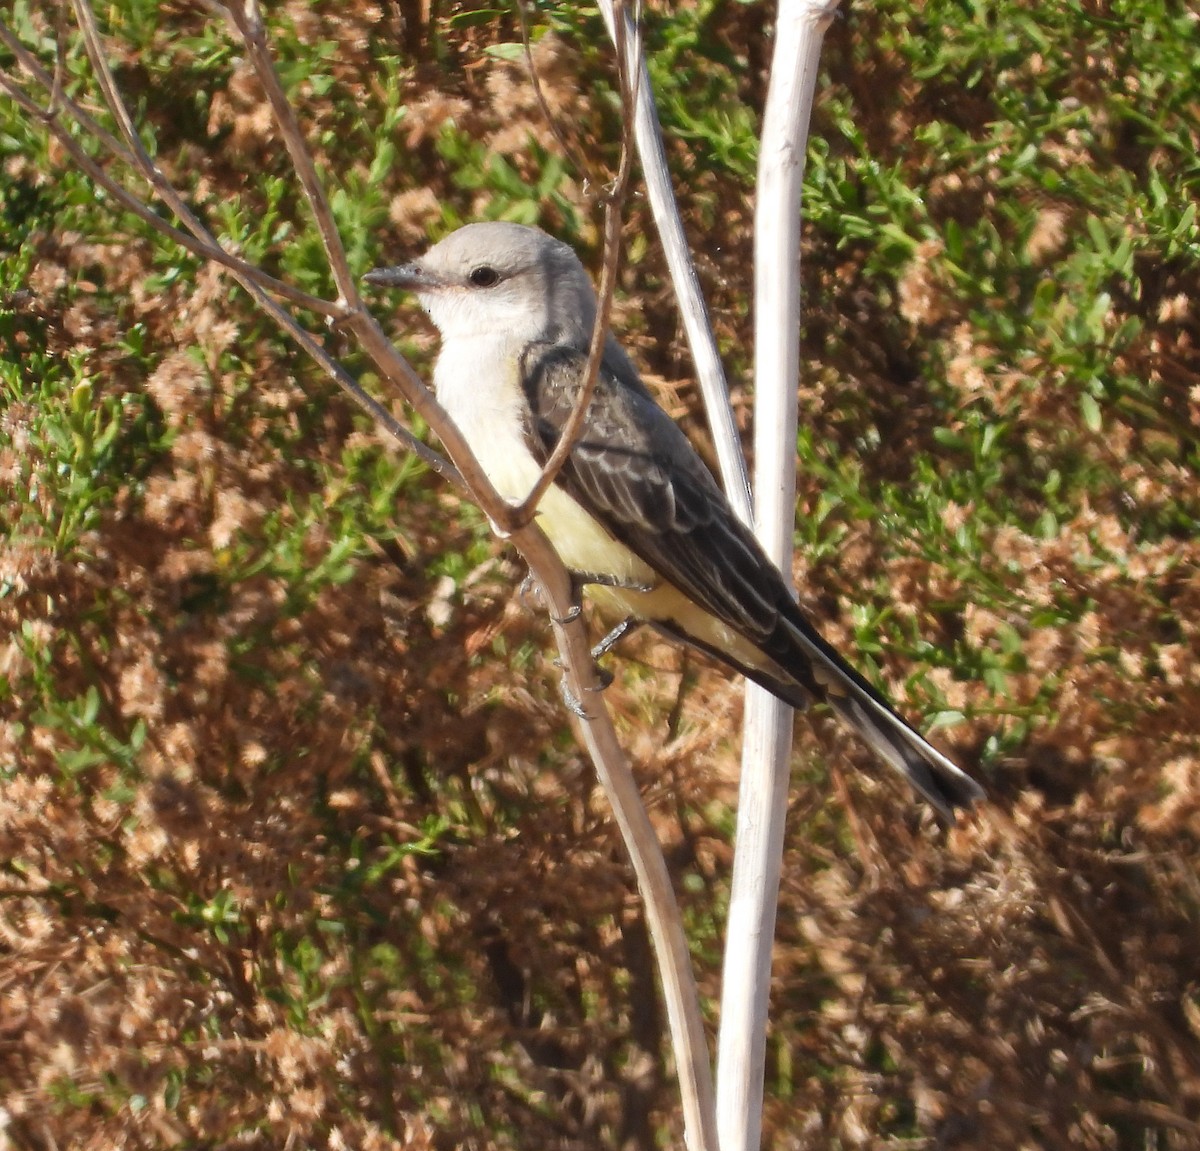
x=595, y=725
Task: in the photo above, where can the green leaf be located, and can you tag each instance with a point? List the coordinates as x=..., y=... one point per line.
x=512, y=52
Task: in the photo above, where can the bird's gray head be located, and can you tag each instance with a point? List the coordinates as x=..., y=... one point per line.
x=500, y=279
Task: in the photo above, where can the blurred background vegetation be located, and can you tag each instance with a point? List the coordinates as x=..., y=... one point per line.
x=296, y=848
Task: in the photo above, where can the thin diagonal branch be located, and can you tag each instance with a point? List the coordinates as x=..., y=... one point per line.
x=202, y=244
x=569, y=150
x=60, y=53
x=573, y=428
x=116, y=105
x=247, y=17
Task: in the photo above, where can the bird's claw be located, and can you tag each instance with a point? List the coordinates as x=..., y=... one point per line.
x=529, y=592
x=573, y=613
x=568, y=697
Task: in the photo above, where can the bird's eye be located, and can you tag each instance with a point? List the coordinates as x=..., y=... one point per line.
x=484, y=277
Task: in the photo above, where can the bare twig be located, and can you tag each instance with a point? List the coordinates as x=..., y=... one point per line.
x=572, y=153
x=607, y=289
x=247, y=17
x=202, y=245
x=60, y=55
x=654, y=880
x=108, y=88
x=573, y=428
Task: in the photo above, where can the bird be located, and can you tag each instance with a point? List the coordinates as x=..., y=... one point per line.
x=634, y=513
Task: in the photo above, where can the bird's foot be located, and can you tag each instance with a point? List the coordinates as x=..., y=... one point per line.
x=604, y=679
x=574, y=704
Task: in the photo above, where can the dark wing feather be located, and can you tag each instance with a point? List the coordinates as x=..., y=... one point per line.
x=636, y=473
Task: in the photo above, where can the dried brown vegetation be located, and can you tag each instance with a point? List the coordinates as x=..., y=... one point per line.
x=295, y=850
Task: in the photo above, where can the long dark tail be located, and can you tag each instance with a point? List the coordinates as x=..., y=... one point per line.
x=813, y=670
x=934, y=776
x=866, y=712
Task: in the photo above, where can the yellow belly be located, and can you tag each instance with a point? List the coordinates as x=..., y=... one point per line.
x=666, y=604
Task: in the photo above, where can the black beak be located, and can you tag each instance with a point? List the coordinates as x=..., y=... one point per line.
x=412, y=277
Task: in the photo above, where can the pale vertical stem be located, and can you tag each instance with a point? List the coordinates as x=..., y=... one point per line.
x=710, y=373
x=762, y=801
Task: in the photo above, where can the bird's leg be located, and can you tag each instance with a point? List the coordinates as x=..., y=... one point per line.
x=602, y=580
x=626, y=627
x=576, y=608
x=574, y=705
x=580, y=580
x=603, y=675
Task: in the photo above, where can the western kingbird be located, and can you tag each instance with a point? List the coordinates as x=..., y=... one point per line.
x=633, y=513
